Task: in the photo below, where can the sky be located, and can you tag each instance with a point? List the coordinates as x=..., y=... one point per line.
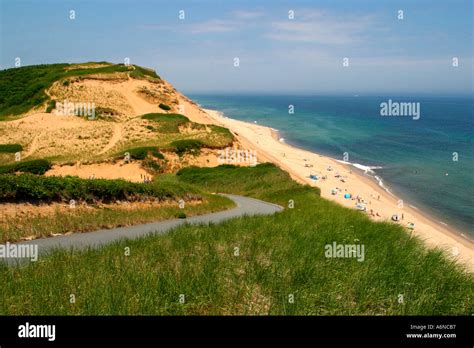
x=277, y=54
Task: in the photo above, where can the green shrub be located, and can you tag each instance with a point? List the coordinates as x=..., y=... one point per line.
x=39, y=166
x=140, y=153
x=157, y=154
x=166, y=117
x=150, y=164
x=140, y=73
x=221, y=130
x=164, y=107
x=10, y=148
x=168, y=123
x=181, y=215
x=51, y=188
x=191, y=146
x=51, y=106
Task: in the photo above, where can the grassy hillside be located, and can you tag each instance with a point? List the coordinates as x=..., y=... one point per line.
x=250, y=265
x=24, y=88
x=117, y=125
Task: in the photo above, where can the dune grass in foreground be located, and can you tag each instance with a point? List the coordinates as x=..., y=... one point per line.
x=93, y=215
x=249, y=265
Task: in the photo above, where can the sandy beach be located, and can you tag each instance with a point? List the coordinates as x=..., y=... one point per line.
x=336, y=179
x=47, y=134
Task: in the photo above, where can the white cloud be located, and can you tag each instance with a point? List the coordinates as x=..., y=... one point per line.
x=210, y=26
x=213, y=26
x=316, y=27
x=245, y=15
x=403, y=61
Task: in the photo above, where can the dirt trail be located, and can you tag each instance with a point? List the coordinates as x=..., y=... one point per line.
x=33, y=146
x=114, y=140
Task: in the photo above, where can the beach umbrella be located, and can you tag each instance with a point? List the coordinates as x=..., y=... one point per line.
x=347, y=195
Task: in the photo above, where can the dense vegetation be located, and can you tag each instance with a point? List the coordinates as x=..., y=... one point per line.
x=10, y=148
x=23, y=88
x=221, y=130
x=39, y=166
x=167, y=123
x=249, y=265
x=264, y=181
x=140, y=72
x=91, y=216
x=51, y=106
x=164, y=107
x=187, y=146
x=141, y=153
x=27, y=187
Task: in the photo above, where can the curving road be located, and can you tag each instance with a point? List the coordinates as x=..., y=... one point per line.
x=245, y=207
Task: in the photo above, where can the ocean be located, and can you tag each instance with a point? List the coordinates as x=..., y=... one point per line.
x=428, y=161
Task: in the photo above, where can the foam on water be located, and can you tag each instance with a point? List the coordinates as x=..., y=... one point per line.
x=366, y=169
x=411, y=157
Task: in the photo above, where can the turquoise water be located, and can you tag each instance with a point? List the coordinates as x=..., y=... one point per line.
x=415, y=156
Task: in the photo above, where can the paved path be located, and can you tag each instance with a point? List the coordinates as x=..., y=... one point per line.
x=245, y=206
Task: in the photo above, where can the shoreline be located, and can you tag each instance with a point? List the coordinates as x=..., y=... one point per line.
x=300, y=164
x=376, y=180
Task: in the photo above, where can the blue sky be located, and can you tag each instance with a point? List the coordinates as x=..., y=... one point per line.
x=277, y=55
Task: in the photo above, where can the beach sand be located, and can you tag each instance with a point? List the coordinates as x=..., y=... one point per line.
x=48, y=135
x=300, y=164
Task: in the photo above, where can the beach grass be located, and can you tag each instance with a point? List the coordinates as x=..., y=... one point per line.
x=156, y=201
x=140, y=73
x=167, y=123
x=86, y=218
x=249, y=265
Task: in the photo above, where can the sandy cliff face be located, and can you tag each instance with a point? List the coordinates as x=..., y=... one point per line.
x=110, y=108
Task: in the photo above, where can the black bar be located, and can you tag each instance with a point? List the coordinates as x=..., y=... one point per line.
x=241, y=330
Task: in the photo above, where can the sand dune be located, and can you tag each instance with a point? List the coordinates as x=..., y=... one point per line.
x=74, y=138
x=128, y=171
